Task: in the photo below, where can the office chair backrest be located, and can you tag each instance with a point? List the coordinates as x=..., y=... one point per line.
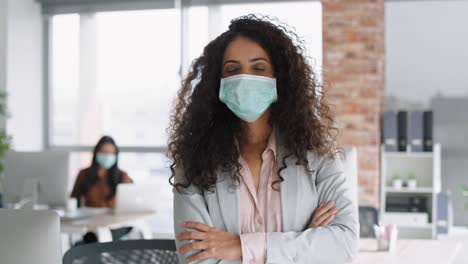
x=368, y=216
x=124, y=252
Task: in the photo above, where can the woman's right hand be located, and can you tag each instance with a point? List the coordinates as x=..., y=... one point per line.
x=324, y=214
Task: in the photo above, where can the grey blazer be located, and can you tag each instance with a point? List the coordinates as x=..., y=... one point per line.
x=301, y=193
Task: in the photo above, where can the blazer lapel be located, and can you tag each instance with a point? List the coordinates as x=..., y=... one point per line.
x=289, y=187
x=228, y=198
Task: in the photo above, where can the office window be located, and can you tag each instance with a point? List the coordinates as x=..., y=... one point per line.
x=113, y=73
x=117, y=73
x=64, y=63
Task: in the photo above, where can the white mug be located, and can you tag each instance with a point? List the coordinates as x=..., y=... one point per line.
x=72, y=204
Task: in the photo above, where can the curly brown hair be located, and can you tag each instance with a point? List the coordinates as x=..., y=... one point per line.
x=203, y=130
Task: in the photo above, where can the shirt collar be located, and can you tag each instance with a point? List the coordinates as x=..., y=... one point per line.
x=271, y=145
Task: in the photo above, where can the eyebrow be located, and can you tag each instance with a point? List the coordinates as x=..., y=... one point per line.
x=259, y=58
x=251, y=60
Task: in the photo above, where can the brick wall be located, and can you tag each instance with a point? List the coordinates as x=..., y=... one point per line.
x=353, y=65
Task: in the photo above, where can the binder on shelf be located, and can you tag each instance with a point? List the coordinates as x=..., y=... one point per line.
x=402, y=137
x=390, y=131
x=444, y=212
x=428, y=125
x=415, y=131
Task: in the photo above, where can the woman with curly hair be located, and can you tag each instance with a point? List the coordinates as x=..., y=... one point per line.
x=255, y=169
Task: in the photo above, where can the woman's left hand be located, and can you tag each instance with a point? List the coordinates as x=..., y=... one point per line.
x=212, y=242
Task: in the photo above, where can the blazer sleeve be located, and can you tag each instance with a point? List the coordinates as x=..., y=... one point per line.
x=190, y=205
x=336, y=243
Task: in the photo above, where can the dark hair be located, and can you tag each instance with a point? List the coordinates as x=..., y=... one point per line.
x=203, y=130
x=114, y=175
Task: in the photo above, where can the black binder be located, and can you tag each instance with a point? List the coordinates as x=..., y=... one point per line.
x=428, y=125
x=402, y=130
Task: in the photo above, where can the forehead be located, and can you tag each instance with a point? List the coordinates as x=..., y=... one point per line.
x=242, y=48
x=107, y=147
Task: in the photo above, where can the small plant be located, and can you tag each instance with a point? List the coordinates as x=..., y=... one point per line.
x=464, y=191
x=411, y=182
x=396, y=181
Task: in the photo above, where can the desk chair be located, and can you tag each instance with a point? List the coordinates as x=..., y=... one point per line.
x=124, y=252
x=368, y=216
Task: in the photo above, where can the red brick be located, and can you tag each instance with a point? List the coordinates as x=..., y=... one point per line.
x=353, y=68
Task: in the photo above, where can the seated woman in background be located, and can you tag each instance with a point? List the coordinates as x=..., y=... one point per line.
x=95, y=186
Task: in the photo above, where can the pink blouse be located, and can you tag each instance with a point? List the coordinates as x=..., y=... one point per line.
x=260, y=212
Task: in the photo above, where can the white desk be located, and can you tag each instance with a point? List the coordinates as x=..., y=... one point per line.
x=102, y=223
x=409, y=252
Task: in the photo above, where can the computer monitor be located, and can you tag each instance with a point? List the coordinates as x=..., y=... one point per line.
x=29, y=236
x=46, y=170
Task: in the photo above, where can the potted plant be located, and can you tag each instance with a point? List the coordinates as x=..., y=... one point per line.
x=4, y=140
x=464, y=191
x=397, y=183
x=412, y=182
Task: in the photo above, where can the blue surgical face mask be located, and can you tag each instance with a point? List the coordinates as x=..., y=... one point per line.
x=248, y=96
x=106, y=160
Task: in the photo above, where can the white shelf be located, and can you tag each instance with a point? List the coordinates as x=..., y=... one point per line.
x=408, y=154
x=422, y=226
x=425, y=166
x=407, y=190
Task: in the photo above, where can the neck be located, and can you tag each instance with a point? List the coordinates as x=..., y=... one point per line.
x=255, y=134
x=101, y=172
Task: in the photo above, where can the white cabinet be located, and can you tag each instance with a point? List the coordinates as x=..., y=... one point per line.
x=424, y=167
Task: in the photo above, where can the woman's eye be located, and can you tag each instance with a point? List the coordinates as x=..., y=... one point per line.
x=230, y=70
x=259, y=67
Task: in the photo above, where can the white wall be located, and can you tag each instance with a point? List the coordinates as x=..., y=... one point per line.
x=427, y=48
x=3, y=8
x=24, y=73
x=427, y=67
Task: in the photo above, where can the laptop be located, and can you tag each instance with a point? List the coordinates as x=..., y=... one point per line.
x=136, y=198
x=30, y=236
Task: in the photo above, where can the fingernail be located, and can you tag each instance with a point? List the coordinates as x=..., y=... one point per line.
x=332, y=202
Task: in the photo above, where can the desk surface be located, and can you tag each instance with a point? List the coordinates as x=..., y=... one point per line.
x=106, y=220
x=409, y=251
